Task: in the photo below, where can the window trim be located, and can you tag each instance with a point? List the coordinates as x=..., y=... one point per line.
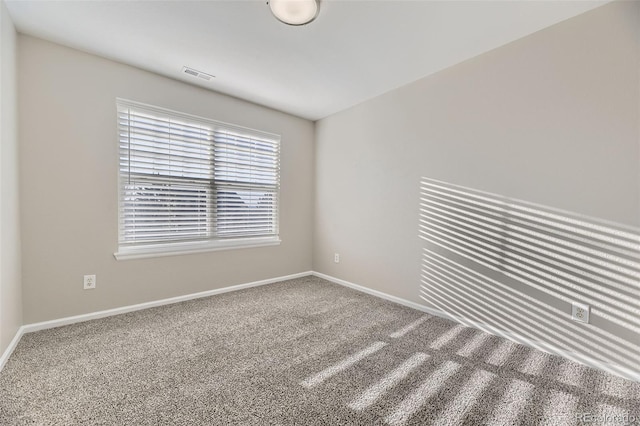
x=174, y=248
x=191, y=247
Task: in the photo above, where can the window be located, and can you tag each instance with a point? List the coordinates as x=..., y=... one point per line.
x=191, y=184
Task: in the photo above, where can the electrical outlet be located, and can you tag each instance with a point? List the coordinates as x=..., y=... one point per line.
x=336, y=258
x=580, y=312
x=89, y=282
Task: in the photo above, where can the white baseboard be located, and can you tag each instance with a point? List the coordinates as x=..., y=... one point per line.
x=546, y=347
x=12, y=346
x=380, y=294
x=583, y=359
x=29, y=328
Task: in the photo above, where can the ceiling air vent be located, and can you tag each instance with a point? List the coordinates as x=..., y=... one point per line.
x=197, y=73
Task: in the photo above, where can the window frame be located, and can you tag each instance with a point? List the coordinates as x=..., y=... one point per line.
x=181, y=247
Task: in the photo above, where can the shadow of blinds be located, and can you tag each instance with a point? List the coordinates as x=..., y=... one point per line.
x=488, y=257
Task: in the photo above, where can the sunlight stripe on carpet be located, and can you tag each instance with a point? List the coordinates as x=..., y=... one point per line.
x=472, y=345
x=448, y=336
x=500, y=354
x=561, y=407
x=466, y=398
x=371, y=394
x=404, y=330
x=535, y=363
x=416, y=399
x=343, y=365
x=512, y=404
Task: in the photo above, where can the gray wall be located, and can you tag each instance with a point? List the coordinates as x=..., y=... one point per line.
x=10, y=290
x=68, y=171
x=552, y=119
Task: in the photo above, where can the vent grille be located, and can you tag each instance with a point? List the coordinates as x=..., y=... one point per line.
x=197, y=73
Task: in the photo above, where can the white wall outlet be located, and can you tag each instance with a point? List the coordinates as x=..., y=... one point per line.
x=580, y=312
x=89, y=282
x=336, y=258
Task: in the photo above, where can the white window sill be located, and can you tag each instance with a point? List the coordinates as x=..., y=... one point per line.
x=174, y=249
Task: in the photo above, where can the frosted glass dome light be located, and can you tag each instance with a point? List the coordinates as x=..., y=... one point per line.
x=295, y=12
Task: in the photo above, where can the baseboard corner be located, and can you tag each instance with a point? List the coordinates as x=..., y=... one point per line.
x=12, y=346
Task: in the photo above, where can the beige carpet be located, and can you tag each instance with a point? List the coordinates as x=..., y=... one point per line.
x=299, y=352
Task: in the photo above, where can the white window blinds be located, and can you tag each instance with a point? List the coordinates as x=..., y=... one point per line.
x=184, y=178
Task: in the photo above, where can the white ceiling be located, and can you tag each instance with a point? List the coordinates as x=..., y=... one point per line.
x=354, y=51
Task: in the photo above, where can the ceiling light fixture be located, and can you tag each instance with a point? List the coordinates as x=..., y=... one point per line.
x=295, y=12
